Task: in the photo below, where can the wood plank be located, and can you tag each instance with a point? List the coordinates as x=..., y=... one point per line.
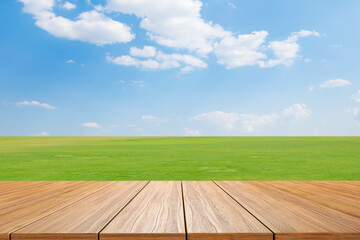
x=348, y=215
x=340, y=187
x=287, y=220
x=46, y=189
x=85, y=218
x=19, y=215
x=212, y=214
x=332, y=195
x=156, y=213
x=6, y=187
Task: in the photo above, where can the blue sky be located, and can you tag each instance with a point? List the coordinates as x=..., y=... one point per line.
x=179, y=67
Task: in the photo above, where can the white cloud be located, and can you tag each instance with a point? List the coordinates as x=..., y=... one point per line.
x=92, y=26
x=220, y=119
x=355, y=111
x=240, y=51
x=36, y=103
x=249, y=49
x=70, y=61
x=159, y=61
x=192, y=132
x=307, y=60
x=186, y=69
x=43, y=134
x=131, y=125
x=149, y=118
x=335, y=83
x=286, y=51
x=147, y=51
x=91, y=125
x=227, y=121
x=175, y=23
x=69, y=6
x=356, y=97
x=124, y=60
x=311, y=88
x=297, y=110
x=37, y=7
x=252, y=121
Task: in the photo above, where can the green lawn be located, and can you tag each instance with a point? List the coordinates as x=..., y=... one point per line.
x=180, y=158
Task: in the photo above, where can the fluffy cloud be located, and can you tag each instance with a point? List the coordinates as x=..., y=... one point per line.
x=70, y=61
x=147, y=51
x=297, y=110
x=69, y=6
x=286, y=51
x=356, y=97
x=36, y=104
x=158, y=60
x=192, y=132
x=335, y=83
x=240, y=51
x=175, y=23
x=249, y=49
x=250, y=122
x=92, y=26
x=91, y=125
x=220, y=119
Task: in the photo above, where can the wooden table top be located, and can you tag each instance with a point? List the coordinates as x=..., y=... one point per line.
x=171, y=210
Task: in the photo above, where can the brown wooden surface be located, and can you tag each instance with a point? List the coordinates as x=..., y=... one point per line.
x=13, y=186
x=338, y=211
x=287, y=220
x=156, y=213
x=279, y=210
x=34, y=192
x=212, y=214
x=20, y=215
x=85, y=217
x=348, y=197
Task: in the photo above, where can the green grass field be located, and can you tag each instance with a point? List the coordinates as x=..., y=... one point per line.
x=180, y=158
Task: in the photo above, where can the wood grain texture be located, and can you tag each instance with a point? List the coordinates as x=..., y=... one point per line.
x=85, y=218
x=286, y=219
x=340, y=186
x=25, y=194
x=6, y=187
x=212, y=214
x=347, y=215
x=156, y=213
x=331, y=194
x=20, y=215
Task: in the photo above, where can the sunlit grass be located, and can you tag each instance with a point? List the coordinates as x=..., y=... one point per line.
x=180, y=158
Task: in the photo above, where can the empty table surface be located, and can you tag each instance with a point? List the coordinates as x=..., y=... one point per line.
x=173, y=210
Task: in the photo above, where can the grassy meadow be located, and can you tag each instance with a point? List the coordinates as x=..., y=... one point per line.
x=179, y=158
